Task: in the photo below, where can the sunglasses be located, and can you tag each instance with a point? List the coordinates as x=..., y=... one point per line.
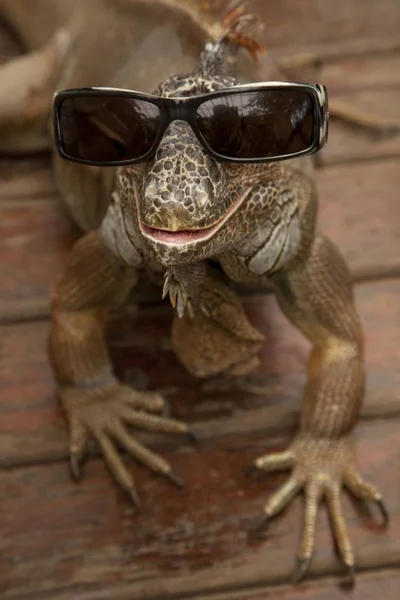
x=259, y=122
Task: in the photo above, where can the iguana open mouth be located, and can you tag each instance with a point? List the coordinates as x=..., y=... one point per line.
x=191, y=236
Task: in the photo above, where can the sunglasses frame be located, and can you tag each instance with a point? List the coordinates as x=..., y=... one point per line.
x=185, y=108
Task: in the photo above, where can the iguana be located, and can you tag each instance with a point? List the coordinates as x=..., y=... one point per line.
x=269, y=238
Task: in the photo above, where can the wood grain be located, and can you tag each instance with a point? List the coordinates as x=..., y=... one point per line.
x=369, y=587
x=348, y=145
x=60, y=539
x=32, y=429
x=26, y=179
x=368, y=85
x=358, y=209
x=362, y=73
x=35, y=239
x=326, y=26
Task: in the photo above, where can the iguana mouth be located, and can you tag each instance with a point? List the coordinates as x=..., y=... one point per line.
x=190, y=236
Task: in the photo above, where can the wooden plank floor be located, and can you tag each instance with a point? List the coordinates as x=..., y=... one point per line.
x=63, y=541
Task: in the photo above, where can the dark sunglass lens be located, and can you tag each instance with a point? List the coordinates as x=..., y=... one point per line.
x=107, y=128
x=258, y=124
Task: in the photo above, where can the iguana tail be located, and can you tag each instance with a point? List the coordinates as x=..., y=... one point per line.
x=36, y=21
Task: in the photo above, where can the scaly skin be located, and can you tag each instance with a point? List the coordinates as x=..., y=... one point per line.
x=265, y=233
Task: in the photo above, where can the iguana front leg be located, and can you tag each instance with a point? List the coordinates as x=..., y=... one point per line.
x=96, y=404
x=315, y=292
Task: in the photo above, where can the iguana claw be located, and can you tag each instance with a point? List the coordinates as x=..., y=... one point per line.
x=75, y=468
x=135, y=499
x=301, y=569
x=182, y=285
x=384, y=512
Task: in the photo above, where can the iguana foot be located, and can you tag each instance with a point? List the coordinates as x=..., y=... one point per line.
x=321, y=467
x=105, y=415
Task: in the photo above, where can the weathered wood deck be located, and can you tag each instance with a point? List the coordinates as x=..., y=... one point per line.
x=62, y=541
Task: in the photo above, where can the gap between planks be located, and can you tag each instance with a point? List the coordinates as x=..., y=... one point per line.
x=371, y=583
x=269, y=401
x=186, y=543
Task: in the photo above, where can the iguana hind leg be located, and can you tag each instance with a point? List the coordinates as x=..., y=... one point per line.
x=27, y=84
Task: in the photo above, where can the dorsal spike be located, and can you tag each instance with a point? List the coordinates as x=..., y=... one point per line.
x=238, y=26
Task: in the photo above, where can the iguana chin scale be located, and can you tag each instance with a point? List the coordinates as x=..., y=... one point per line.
x=259, y=222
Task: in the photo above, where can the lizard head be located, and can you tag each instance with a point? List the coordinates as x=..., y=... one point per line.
x=188, y=205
